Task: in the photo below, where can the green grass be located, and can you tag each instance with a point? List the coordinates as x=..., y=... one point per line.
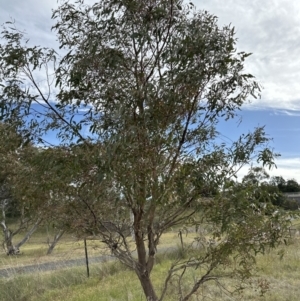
x=113, y=282
x=35, y=250
x=69, y=247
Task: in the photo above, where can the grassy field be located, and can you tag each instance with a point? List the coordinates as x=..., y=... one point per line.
x=278, y=277
x=69, y=247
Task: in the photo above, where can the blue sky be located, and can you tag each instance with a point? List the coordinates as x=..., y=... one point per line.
x=282, y=126
x=269, y=29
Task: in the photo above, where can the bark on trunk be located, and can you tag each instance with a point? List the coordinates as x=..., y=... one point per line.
x=8, y=244
x=55, y=241
x=143, y=269
x=29, y=233
x=147, y=286
x=143, y=273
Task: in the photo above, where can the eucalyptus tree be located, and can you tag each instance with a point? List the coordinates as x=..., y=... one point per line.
x=138, y=94
x=9, y=143
x=15, y=190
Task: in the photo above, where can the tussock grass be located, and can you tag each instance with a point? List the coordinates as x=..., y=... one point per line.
x=278, y=278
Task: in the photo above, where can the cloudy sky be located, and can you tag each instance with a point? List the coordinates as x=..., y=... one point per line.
x=269, y=29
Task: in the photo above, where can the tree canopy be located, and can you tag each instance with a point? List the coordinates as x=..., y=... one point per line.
x=135, y=102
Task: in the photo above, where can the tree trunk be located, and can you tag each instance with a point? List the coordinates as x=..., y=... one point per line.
x=55, y=241
x=29, y=233
x=147, y=286
x=142, y=269
x=8, y=244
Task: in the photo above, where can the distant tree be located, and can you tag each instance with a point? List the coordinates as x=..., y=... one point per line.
x=292, y=186
x=283, y=185
x=263, y=189
x=256, y=175
x=273, y=188
x=137, y=99
x=279, y=182
x=38, y=183
x=12, y=148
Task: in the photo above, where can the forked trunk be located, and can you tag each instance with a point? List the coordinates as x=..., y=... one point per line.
x=29, y=233
x=148, y=287
x=143, y=270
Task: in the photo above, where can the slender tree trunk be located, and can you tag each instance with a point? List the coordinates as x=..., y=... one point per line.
x=55, y=241
x=142, y=270
x=8, y=244
x=147, y=286
x=3, y=212
x=29, y=233
x=144, y=277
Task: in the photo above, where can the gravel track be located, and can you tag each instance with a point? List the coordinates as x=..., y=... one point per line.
x=50, y=266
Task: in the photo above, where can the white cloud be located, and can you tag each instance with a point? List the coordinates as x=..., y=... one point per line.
x=289, y=113
x=271, y=31
x=32, y=16
x=288, y=168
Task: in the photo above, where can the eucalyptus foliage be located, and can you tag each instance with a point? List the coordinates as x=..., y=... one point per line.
x=135, y=101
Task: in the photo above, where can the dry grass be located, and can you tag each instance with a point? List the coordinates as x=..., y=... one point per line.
x=34, y=251
x=278, y=277
x=69, y=247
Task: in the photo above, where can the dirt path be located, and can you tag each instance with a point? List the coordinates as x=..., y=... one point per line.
x=50, y=266
x=56, y=265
